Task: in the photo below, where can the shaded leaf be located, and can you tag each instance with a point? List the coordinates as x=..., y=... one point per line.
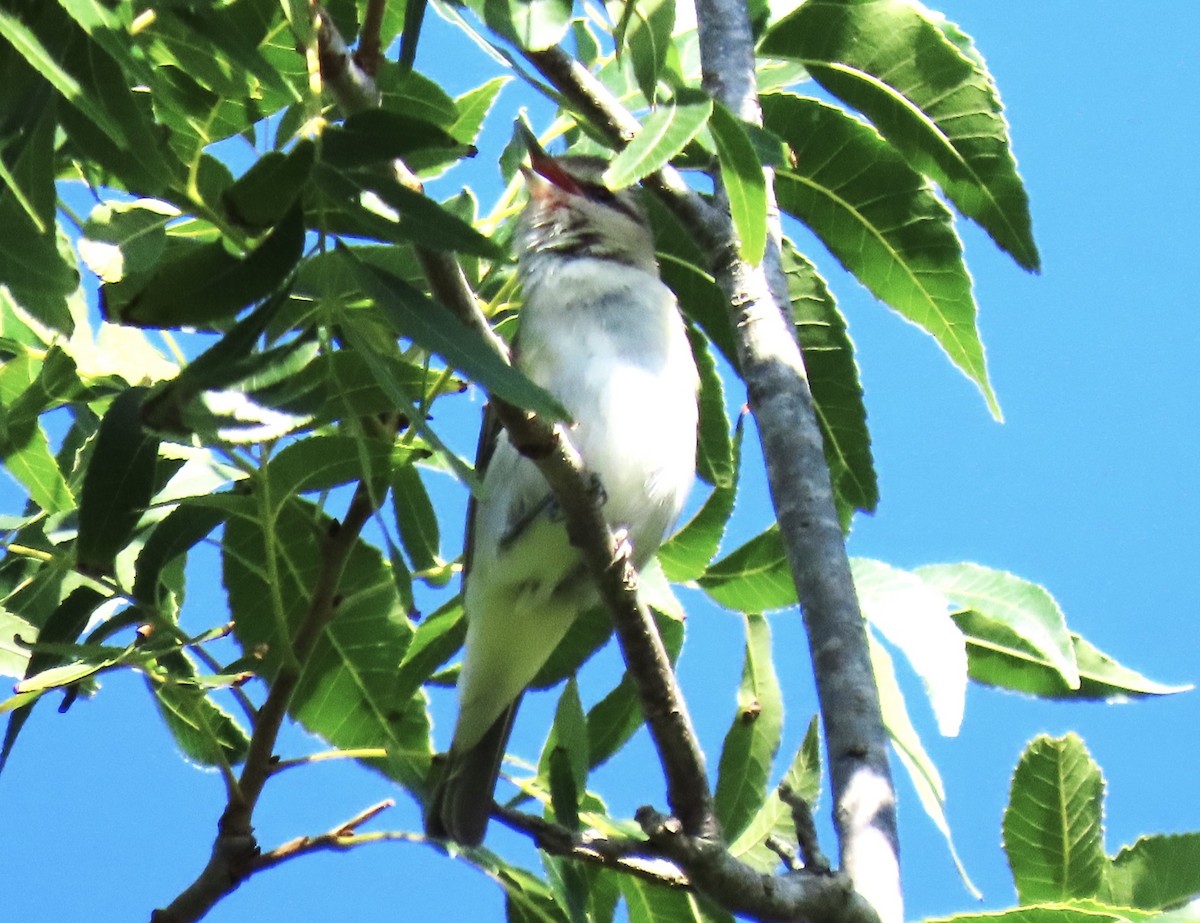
x=205, y=733
x=263, y=194
x=412, y=314
x=664, y=133
x=118, y=485
x=199, y=284
x=530, y=24
x=1053, y=824
x=753, y=739
x=376, y=136
x=65, y=624
x=744, y=182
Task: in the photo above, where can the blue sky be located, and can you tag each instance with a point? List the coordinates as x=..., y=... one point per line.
x=1089, y=488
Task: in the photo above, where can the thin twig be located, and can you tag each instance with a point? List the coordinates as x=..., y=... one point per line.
x=806, y=832
x=369, y=54
x=342, y=837
x=362, y=753
x=633, y=857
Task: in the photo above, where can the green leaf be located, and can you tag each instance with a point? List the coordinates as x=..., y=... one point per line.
x=416, y=519
x=16, y=634
x=321, y=462
x=564, y=761
x=1053, y=824
x=664, y=133
x=744, y=182
x=65, y=624
x=175, y=535
x=118, y=485
x=1025, y=609
x=532, y=25
x=925, y=87
x=915, y=617
x=435, y=641
x=347, y=693
x=644, y=32
x=774, y=818
x=882, y=220
x=265, y=192
x=33, y=464
x=1049, y=913
x=754, y=578
x=997, y=656
x=753, y=738
x=617, y=716
x=34, y=265
x=412, y=314
x=912, y=754
x=473, y=107
x=125, y=239
x=217, y=284
x=1155, y=873
x=714, y=447
x=686, y=555
x=648, y=902
x=834, y=379
x=376, y=136
x=205, y=733
x=428, y=222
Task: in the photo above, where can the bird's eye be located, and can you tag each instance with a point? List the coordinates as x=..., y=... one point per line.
x=605, y=196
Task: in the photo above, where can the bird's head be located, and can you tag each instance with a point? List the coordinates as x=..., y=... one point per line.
x=572, y=214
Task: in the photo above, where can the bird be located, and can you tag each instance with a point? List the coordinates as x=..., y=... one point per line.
x=602, y=333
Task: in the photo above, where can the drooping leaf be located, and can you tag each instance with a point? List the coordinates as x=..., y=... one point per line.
x=915, y=617
x=178, y=533
x=744, y=182
x=124, y=239
x=714, y=447
x=882, y=220
x=617, y=716
x=65, y=624
x=564, y=760
x=753, y=739
x=416, y=519
x=1053, y=824
x=998, y=656
x=412, y=314
x=907, y=745
x=263, y=194
x=204, y=731
x=834, y=379
x=644, y=34
x=118, y=484
x=664, y=133
x=200, y=284
x=921, y=82
x=376, y=136
x=1025, y=609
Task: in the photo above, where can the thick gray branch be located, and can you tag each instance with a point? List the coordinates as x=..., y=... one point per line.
x=780, y=398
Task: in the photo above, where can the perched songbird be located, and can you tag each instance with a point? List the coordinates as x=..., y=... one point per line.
x=602, y=333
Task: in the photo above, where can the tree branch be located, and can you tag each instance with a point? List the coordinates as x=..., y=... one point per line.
x=798, y=476
x=235, y=850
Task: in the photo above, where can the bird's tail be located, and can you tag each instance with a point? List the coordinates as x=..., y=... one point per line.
x=461, y=804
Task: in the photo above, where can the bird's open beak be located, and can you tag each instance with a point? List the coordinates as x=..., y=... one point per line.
x=544, y=165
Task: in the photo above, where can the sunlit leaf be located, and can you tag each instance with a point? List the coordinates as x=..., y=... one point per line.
x=664, y=133
x=882, y=220
x=744, y=182
x=1053, y=824
x=921, y=82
